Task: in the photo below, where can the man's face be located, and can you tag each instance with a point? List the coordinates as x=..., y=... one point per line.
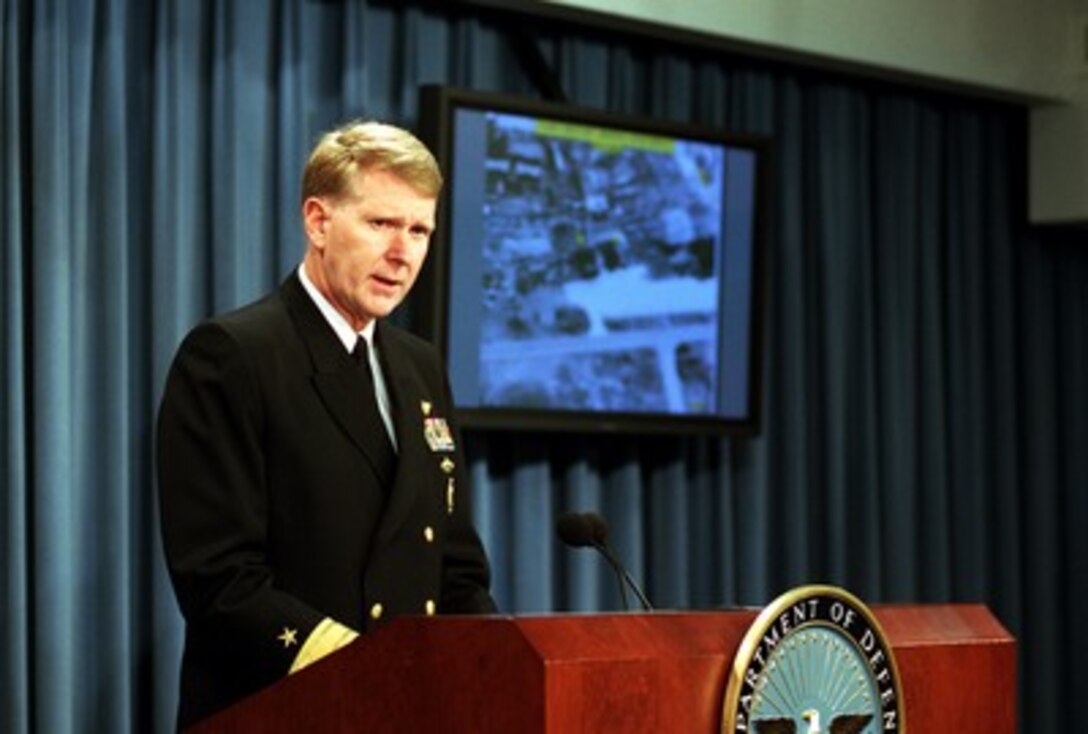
x=367, y=247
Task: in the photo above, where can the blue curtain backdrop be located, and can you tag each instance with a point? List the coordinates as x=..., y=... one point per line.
x=925, y=380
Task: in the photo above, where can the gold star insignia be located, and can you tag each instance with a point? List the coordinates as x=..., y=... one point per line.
x=447, y=465
x=425, y=406
x=287, y=637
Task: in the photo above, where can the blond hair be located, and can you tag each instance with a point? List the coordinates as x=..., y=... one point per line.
x=361, y=146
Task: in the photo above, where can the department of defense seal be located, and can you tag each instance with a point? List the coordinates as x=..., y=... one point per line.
x=815, y=661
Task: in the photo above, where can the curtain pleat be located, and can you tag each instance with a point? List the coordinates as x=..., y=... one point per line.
x=925, y=353
x=15, y=573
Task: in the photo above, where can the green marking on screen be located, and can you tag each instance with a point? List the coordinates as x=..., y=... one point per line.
x=609, y=141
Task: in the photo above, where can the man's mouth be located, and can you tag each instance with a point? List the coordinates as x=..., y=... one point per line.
x=387, y=282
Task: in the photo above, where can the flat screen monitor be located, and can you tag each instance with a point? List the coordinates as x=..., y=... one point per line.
x=593, y=271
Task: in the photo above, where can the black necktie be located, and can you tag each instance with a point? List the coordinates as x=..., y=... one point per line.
x=385, y=455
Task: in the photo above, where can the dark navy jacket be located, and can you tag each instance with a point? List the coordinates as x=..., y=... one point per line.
x=274, y=514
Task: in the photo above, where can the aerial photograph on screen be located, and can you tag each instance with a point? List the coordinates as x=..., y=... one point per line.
x=600, y=268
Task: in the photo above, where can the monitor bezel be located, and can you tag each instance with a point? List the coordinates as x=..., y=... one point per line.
x=430, y=311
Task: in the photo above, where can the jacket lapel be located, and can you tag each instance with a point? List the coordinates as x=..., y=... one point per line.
x=406, y=393
x=334, y=377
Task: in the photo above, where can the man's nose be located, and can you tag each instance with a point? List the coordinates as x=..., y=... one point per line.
x=396, y=246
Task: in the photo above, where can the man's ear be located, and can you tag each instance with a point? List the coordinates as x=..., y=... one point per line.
x=315, y=218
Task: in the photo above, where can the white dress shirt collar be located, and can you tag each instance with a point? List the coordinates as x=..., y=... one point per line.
x=339, y=324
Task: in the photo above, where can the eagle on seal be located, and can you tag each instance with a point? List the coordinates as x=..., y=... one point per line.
x=841, y=724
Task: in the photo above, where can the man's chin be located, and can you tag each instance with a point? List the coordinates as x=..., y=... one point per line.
x=379, y=308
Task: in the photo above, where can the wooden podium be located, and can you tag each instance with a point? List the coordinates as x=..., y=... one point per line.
x=593, y=674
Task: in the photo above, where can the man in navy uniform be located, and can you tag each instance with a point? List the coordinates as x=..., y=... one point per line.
x=310, y=474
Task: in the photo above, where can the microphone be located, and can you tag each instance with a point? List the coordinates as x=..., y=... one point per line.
x=577, y=530
x=589, y=530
